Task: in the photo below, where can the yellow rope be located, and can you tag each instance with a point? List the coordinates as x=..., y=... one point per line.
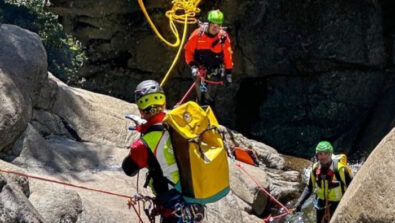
x=189, y=7
x=177, y=56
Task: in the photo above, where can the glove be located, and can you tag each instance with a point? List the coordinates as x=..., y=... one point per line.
x=298, y=208
x=137, y=120
x=194, y=71
x=129, y=166
x=229, y=78
x=228, y=81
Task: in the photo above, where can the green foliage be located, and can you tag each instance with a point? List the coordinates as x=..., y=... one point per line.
x=65, y=53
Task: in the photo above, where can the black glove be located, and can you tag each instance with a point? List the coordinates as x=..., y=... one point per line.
x=129, y=166
x=298, y=207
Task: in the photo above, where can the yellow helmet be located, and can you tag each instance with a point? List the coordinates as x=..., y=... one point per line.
x=149, y=94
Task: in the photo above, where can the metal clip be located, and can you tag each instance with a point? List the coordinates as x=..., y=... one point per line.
x=203, y=87
x=222, y=71
x=189, y=212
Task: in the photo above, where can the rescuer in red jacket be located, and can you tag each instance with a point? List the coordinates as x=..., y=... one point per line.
x=209, y=49
x=148, y=152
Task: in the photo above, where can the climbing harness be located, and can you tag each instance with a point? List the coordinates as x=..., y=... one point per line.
x=203, y=84
x=148, y=206
x=190, y=9
x=203, y=87
x=327, y=214
x=151, y=210
x=206, y=76
x=190, y=212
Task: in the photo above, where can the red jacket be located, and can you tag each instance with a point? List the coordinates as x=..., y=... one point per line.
x=208, y=51
x=138, y=150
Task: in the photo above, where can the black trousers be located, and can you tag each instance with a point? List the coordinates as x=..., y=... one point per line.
x=321, y=211
x=170, y=220
x=208, y=97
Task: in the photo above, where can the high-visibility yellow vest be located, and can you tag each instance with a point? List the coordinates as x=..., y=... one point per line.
x=323, y=187
x=160, y=144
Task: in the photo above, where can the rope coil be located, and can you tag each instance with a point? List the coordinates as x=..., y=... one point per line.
x=182, y=11
x=189, y=9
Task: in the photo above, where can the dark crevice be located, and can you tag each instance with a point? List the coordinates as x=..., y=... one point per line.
x=122, y=59
x=388, y=7
x=327, y=65
x=367, y=127
x=251, y=93
x=239, y=48
x=72, y=132
x=93, y=42
x=80, y=24
x=359, y=149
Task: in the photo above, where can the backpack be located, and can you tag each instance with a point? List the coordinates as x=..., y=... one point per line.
x=200, y=153
x=340, y=159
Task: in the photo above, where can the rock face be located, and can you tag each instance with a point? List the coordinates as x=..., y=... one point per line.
x=25, y=61
x=373, y=186
x=14, y=112
x=51, y=130
x=304, y=70
x=14, y=190
x=28, y=73
x=92, y=117
x=57, y=205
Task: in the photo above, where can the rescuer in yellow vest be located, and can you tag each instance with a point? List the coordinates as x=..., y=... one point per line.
x=330, y=178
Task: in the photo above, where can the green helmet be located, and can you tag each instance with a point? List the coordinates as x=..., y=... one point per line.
x=324, y=146
x=215, y=16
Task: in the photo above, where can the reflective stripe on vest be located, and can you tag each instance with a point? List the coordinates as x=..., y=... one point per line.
x=332, y=194
x=160, y=144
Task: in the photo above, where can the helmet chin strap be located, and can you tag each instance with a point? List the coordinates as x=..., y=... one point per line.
x=153, y=110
